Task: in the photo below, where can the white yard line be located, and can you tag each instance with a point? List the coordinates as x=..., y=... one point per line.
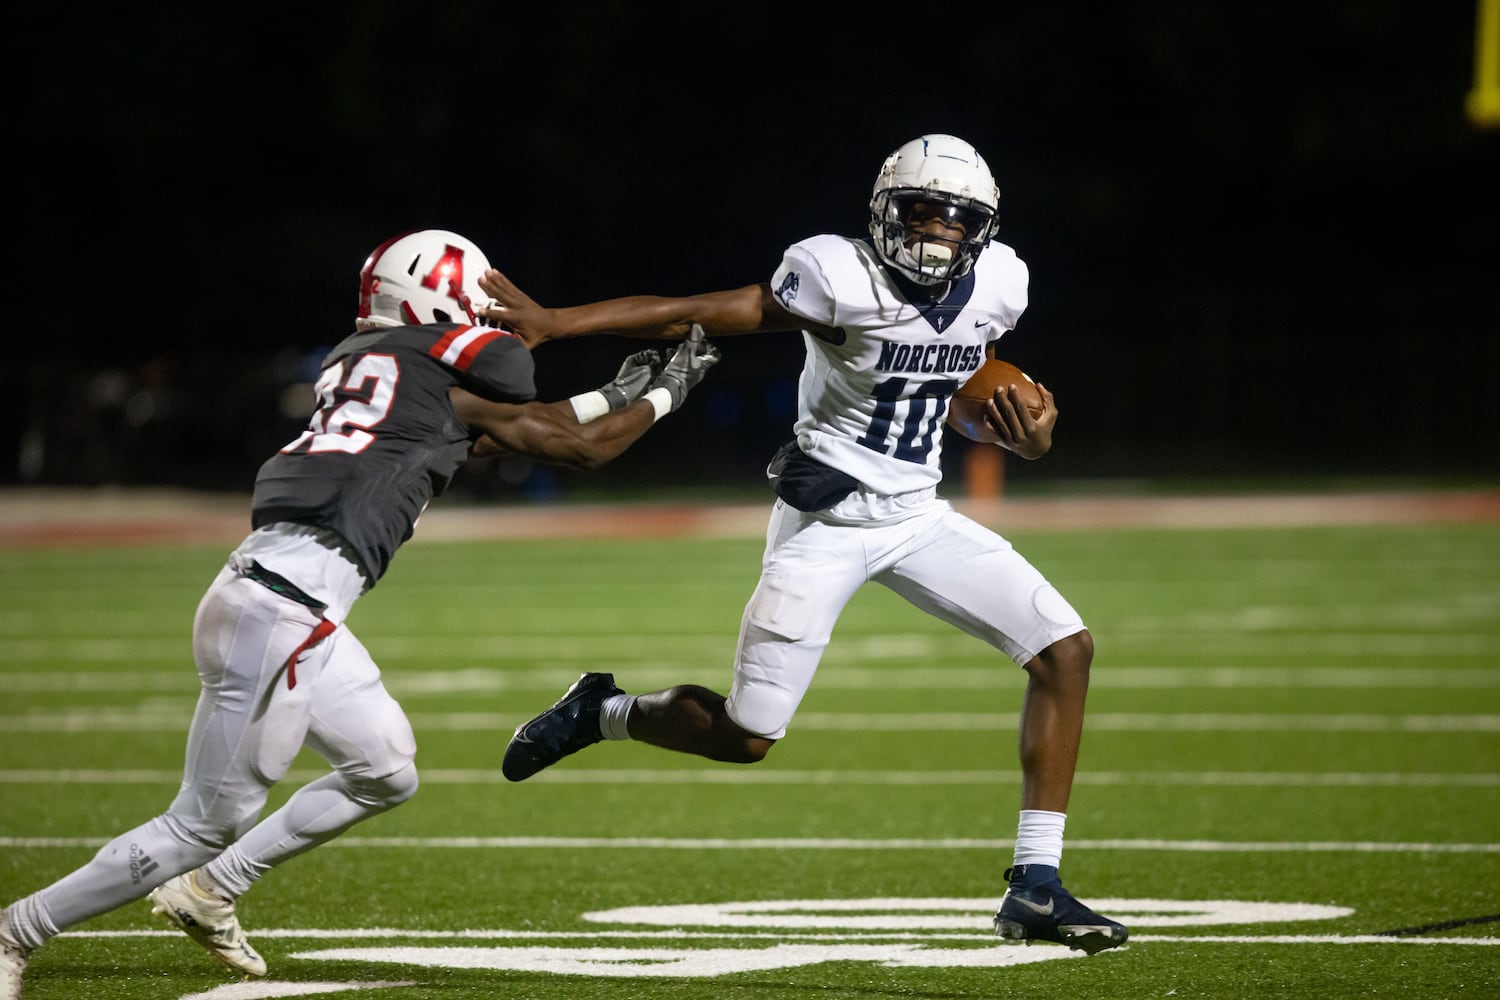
x=831, y=676
x=394, y=933
x=835, y=844
x=774, y=776
x=148, y=717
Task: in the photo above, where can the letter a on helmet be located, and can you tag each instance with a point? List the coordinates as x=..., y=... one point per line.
x=427, y=276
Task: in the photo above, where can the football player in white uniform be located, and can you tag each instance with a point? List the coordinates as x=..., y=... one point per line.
x=402, y=404
x=892, y=325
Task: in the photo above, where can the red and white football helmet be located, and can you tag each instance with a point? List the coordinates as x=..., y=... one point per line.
x=948, y=175
x=426, y=276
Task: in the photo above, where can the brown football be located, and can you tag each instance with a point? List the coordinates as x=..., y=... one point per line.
x=966, y=408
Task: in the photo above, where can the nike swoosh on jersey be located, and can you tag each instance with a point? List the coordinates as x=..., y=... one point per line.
x=981, y=322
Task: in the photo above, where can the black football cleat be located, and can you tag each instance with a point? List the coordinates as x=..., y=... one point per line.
x=1048, y=912
x=565, y=728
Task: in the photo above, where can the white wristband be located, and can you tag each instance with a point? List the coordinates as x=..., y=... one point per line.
x=661, y=399
x=589, y=406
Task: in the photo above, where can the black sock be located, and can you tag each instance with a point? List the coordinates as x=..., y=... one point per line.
x=1031, y=876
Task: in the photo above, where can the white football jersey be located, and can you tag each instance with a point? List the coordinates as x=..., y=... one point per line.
x=872, y=399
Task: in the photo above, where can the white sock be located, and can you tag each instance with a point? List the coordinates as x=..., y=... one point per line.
x=613, y=715
x=202, y=879
x=231, y=874
x=1039, y=838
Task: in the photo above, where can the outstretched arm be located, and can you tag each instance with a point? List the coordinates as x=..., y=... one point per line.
x=550, y=432
x=751, y=309
x=584, y=432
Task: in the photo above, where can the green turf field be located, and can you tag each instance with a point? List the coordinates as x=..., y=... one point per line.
x=1290, y=781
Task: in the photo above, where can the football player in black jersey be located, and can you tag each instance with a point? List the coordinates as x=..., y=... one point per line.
x=401, y=404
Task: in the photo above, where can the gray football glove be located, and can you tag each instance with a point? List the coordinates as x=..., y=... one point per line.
x=634, y=378
x=694, y=357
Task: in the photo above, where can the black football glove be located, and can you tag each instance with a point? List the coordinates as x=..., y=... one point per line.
x=694, y=357
x=635, y=377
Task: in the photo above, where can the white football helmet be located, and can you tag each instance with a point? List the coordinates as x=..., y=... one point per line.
x=949, y=176
x=427, y=276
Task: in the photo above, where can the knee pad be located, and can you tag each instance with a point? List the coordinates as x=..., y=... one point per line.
x=761, y=709
x=396, y=748
x=385, y=792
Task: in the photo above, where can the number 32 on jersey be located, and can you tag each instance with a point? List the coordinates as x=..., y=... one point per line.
x=349, y=404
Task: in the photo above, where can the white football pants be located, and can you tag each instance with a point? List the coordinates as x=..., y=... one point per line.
x=248, y=727
x=917, y=545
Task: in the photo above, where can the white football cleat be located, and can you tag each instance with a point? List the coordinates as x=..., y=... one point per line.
x=209, y=920
x=12, y=961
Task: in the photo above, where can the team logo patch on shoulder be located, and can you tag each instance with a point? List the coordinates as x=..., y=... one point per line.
x=786, y=292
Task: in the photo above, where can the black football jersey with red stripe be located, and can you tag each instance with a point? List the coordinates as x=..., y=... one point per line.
x=384, y=440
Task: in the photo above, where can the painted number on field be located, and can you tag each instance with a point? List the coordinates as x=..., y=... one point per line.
x=833, y=921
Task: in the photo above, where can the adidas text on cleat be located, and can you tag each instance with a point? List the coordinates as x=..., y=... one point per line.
x=565, y=728
x=1050, y=913
x=209, y=920
x=12, y=961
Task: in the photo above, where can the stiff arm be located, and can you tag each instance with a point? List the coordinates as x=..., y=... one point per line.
x=748, y=309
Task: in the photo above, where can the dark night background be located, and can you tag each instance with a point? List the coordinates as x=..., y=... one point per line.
x=1262, y=238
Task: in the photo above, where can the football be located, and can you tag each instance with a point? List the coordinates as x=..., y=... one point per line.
x=966, y=408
